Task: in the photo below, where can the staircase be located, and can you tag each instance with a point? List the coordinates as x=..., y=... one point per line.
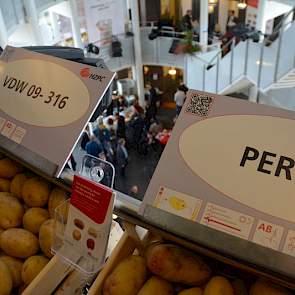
x=287, y=81
x=267, y=66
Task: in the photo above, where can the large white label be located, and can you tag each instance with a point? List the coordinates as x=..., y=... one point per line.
x=249, y=159
x=35, y=100
x=226, y=220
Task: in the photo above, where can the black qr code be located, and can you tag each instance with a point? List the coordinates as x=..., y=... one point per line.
x=199, y=105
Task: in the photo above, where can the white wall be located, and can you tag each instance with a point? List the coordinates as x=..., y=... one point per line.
x=223, y=14
x=186, y=5
x=274, y=9
x=22, y=36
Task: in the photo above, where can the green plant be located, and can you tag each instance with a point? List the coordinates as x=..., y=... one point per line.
x=187, y=44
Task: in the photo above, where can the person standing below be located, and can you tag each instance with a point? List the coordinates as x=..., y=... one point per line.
x=187, y=23
x=153, y=98
x=121, y=126
x=179, y=98
x=93, y=148
x=231, y=21
x=122, y=156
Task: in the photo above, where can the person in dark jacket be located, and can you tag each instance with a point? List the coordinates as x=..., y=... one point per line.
x=93, y=147
x=121, y=127
x=186, y=21
x=122, y=156
x=102, y=134
x=152, y=99
x=85, y=139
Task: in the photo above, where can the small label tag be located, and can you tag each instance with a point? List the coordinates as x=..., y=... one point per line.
x=91, y=198
x=89, y=218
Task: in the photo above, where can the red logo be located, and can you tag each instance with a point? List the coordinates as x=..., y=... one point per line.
x=85, y=72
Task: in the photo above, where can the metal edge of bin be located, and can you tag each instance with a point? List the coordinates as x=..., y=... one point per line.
x=27, y=157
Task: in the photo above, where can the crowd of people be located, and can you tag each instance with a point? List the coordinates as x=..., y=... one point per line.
x=125, y=127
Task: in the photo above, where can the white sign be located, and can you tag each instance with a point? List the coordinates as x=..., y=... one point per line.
x=35, y=100
x=104, y=18
x=226, y=220
x=45, y=102
x=260, y=163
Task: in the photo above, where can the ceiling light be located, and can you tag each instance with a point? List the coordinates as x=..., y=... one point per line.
x=212, y=1
x=211, y=9
x=242, y=5
x=172, y=72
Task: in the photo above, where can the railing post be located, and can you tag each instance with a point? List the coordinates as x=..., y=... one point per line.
x=217, y=75
x=246, y=57
x=231, y=62
x=278, y=55
x=204, y=77
x=260, y=66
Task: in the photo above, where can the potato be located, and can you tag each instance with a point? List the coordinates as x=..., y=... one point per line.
x=9, y=168
x=15, y=267
x=218, y=286
x=16, y=185
x=4, y=185
x=11, y=211
x=127, y=278
x=46, y=233
x=5, y=279
x=33, y=219
x=35, y=192
x=57, y=197
x=267, y=288
x=19, y=243
x=175, y=264
x=31, y=267
x=156, y=285
x=192, y=291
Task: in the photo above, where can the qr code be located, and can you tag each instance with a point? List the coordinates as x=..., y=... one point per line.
x=199, y=105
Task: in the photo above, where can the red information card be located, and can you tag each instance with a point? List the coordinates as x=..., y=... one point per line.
x=91, y=198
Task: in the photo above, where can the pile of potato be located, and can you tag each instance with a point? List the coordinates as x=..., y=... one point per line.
x=27, y=204
x=167, y=269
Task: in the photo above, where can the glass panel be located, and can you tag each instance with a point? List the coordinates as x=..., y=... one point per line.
x=224, y=72
x=239, y=60
x=210, y=80
x=194, y=73
x=268, y=64
x=253, y=60
x=166, y=58
x=286, y=59
x=9, y=15
x=148, y=47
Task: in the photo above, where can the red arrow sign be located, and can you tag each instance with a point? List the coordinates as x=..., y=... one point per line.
x=223, y=224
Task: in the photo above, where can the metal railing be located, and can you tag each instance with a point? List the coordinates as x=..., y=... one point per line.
x=267, y=40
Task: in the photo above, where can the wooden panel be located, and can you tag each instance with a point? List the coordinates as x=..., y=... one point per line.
x=49, y=278
x=124, y=248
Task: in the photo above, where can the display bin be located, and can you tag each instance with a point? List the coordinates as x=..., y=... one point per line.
x=130, y=243
x=54, y=276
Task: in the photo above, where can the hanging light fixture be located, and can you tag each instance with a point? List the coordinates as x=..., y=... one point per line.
x=212, y=4
x=211, y=8
x=242, y=4
x=172, y=72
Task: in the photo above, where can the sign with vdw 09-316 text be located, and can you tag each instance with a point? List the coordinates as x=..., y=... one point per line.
x=230, y=165
x=45, y=102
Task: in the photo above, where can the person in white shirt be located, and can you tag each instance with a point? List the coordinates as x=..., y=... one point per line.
x=231, y=21
x=179, y=98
